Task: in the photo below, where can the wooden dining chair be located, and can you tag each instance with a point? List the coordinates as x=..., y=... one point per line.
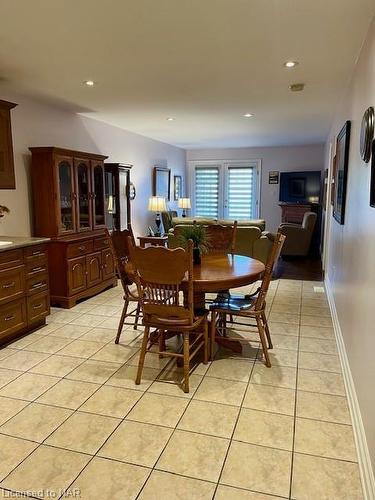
x=161, y=274
x=119, y=245
x=221, y=239
x=249, y=306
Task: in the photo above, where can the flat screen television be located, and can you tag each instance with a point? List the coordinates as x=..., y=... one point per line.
x=300, y=187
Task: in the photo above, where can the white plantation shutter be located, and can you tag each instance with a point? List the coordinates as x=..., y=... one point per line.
x=241, y=193
x=207, y=191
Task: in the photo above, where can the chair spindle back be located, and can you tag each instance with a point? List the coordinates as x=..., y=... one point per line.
x=159, y=273
x=221, y=239
x=119, y=244
x=270, y=264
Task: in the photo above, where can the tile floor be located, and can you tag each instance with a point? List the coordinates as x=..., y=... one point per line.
x=73, y=424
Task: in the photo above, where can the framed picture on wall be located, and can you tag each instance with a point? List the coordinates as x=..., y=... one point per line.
x=161, y=182
x=341, y=176
x=177, y=187
x=333, y=180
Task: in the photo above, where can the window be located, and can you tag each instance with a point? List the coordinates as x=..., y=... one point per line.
x=207, y=191
x=225, y=189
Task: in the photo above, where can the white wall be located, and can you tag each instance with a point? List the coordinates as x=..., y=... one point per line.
x=351, y=258
x=37, y=124
x=283, y=159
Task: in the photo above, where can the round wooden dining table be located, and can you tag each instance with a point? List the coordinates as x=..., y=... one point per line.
x=223, y=272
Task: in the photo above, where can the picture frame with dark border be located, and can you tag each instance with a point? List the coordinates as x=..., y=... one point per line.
x=161, y=182
x=177, y=187
x=341, y=177
x=333, y=180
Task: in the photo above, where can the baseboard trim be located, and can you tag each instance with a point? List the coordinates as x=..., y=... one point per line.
x=364, y=460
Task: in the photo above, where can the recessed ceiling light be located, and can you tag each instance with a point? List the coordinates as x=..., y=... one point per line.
x=170, y=119
x=248, y=115
x=89, y=83
x=290, y=64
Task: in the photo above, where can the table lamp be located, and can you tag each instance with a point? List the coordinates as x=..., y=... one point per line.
x=157, y=204
x=184, y=203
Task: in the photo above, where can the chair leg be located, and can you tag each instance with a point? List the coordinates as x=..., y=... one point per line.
x=212, y=334
x=205, y=337
x=263, y=341
x=186, y=361
x=267, y=330
x=142, y=355
x=137, y=313
x=162, y=346
x=122, y=320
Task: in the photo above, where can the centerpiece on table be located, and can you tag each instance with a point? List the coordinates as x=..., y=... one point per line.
x=197, y=234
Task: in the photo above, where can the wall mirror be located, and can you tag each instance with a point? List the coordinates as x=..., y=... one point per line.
x=161, y=182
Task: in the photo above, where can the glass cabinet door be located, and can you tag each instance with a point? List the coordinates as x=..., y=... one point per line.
x=83, y=195
x=98, y=194
x=110, y=200
x=66, y=201
x=124, y=181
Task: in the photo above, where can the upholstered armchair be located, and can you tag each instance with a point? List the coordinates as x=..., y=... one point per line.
x=298, y=237
x=166, y=218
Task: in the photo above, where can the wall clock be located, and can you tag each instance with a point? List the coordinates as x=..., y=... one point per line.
x=367, y=134
x=132, y=191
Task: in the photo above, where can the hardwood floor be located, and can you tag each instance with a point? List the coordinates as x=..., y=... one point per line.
x=300, y=268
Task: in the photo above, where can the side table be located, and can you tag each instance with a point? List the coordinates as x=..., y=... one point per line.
x=153, y=240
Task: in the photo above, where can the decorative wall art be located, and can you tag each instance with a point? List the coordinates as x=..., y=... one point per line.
x=367, y=134
x=341, y=177
x=273, y=177
x=178, y=187
x=333, y=180
x=161, y=182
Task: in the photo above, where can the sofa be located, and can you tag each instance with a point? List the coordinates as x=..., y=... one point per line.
x=261, y=223
x=298, y=236
x=251, y=240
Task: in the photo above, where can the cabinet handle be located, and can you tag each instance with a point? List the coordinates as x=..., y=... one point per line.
x=37, y=306
x=81, y=248
x=37, y=252
x=8, y=318
x=38, y=268
x=39, y=284
x=9, y=285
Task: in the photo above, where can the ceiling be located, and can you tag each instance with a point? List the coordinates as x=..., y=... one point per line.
x=203, y=62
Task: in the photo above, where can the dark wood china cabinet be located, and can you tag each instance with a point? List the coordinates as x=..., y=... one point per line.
x=69, y=207
x=117, y=195
x=7, y=176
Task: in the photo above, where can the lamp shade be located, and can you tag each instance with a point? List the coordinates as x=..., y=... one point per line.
x=157, y=204
x=184, y=203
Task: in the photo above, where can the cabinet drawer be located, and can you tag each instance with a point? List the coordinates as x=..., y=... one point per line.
x=77, y=249
x=37, y=307
x=35, y=253
x=101, y=243
x=13, y=316
x=37, y=267
x=12, y=283
x=36, y=284
x=12, y=258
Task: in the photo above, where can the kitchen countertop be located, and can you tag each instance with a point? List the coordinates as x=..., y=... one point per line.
x=20, y=241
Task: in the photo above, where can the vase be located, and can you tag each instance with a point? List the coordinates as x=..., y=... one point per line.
x=196, y=256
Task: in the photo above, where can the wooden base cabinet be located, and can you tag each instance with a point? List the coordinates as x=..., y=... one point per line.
x=24, y=290
x=80, y=266
x=69, y=207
